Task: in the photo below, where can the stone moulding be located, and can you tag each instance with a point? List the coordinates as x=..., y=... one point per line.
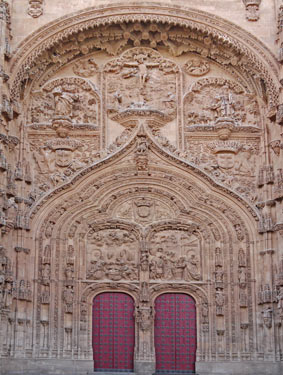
x=223, y=31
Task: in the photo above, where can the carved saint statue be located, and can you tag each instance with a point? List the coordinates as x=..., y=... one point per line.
x=68, y=298
x=193, y=267
x=63, y=102
x=220, y=301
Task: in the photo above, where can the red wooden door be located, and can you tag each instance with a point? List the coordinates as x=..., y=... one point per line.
x=175, y=333
x=113, y=332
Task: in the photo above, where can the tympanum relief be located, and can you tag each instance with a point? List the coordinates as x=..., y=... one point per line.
x=141, y=83
x=174, y=255
x=71, y=98
x=211, y=99
x=112, y=254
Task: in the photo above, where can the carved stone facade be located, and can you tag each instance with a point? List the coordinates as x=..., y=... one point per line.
x=140, y=152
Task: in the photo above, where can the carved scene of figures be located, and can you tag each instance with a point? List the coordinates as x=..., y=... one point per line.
x=174, y=255
x=112, y=254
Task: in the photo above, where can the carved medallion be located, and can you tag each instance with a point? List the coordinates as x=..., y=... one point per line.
x=196, y=67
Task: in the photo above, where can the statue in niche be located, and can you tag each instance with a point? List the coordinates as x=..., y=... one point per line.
x=242, y=277
x=220, y=302
x=218, y=257
x=144, y=316
x=3, y=261
x=68, y=298
x=69, y=272
x=46, y=259
x=242, y=258
x=267, y=317
x=219, y=275
x=71, y=255
x=8, y=294
x=45, y=295
x=204, y=312
x=46, y=273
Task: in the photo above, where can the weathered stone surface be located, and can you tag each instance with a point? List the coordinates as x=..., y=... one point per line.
x=141, y=152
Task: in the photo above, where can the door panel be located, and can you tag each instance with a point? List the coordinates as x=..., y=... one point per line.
x=113, y=332
x=175, y=333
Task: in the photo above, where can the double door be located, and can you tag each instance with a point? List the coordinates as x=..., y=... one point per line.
x=174, y=333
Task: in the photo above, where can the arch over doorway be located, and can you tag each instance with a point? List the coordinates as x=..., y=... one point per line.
x=175, y=333
x=113, y=332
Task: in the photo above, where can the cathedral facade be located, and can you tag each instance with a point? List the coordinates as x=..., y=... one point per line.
x=141, y=180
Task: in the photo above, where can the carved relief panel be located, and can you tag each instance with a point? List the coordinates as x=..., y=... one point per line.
x=232, y=163
x=73, y=98
x=212, y=98
x=112, y=254
x=141, y=82
x=144, y=210
x=63, y=132
x=175, y=255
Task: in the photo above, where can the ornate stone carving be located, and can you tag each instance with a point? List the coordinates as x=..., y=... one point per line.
x=141, y=154
x=220, y=303
x=112, y=254
x=141, y=83
x=45, y=274
x=35, y=8
x=219, y=98
x=85, y=67
x=144, y=210
x=68, y=298
x=196, y=67
x=232, y=163
x=144, y=317
x=280, y=302
x=267, y=317
x=72, y=99
x=24, y=291
x=242, y=262
x=252, y=9
x=181, y=264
